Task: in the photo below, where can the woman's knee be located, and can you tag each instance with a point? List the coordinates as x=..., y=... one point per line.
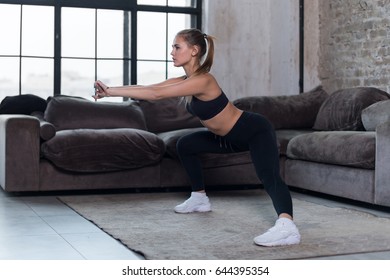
x=183, y=145
x=194, y=143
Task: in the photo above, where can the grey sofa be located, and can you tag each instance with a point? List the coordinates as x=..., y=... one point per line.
x=336, y=144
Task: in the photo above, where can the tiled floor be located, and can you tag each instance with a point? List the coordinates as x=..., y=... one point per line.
x=42, y=228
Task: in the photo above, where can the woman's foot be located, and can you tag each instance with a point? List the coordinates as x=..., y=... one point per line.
x=284, y=232
x=198, y=202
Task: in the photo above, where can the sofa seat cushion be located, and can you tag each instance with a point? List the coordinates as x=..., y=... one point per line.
x=285, y=135
x=342, y=109
x=99, y=150
x=67, y=112
x=347, y=148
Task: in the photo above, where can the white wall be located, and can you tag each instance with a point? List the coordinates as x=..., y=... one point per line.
x=312, y=44
x=257, y=46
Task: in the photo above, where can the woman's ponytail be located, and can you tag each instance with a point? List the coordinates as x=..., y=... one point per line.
x=205, y=67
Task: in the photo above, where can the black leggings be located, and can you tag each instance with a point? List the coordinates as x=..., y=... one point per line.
x=252, y=132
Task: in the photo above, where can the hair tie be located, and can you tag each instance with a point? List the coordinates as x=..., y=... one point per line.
x=205, y=35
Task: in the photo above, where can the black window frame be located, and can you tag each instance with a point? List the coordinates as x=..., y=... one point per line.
x=130, y=6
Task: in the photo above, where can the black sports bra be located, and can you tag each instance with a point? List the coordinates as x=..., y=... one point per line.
x=205, y=110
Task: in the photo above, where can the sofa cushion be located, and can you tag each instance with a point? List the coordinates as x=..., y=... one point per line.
x=348, y=148
x=292, y=111
x=66, y=112
x=167, y=114
x=376, y=114
x=342, y=109
x=97, y=150
x=285, y=135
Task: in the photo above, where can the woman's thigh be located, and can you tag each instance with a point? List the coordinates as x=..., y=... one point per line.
x=202, y=142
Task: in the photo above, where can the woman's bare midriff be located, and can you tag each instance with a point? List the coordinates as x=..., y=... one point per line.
x=222, y=123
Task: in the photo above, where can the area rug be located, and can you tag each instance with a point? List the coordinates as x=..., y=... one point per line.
x=147, y=224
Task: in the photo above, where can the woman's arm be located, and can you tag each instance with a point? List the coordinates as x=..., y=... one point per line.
x=176, y=87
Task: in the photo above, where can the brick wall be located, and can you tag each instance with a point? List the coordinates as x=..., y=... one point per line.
x=354, y=44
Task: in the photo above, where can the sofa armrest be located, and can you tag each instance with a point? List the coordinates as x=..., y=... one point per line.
x=19, y=152
x=46, y=129
x=382, y=164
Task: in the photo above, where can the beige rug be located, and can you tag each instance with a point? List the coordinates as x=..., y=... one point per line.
x=146, y=223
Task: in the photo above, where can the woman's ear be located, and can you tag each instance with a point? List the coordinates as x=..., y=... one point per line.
x=195, y=51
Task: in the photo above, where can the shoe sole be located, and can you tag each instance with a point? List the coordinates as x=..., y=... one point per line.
x=290, y=240
x=199, y=209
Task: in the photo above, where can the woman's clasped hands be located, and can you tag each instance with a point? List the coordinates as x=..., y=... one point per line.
x=101, y=90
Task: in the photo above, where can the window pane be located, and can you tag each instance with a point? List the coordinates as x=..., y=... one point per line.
x=150, y=72
x=37, y=76
x=181, y=3
x=175, y=3
x=151, y=36
x=9, y=76
x=38, y=31
x=9, y=29
x=77, y=77
x=176, y=22
x=110, y=34
x=78, y=32
x=110, y=72
x=152, y=2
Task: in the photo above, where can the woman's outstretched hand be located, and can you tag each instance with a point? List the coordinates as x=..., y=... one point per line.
x=100, y=90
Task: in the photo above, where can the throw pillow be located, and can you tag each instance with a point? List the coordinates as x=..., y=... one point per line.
x=66, y=112
x=167, y=114
x=376, y=114
x=103, y=150
x=286, y=111
x=342, y=109
x=22, y=104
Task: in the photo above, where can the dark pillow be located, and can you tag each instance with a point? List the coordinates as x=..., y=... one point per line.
x=376, y=114
x=287, y=111
x=167, y=114
x=22, y=104
x=342, y=109
x=101, y=150
x=66, y=112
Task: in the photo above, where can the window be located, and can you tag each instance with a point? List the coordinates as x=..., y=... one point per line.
x=62, y=47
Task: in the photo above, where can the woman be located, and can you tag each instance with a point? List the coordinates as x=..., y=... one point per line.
x=229, y=130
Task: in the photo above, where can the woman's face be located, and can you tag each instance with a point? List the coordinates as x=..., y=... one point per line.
x=181, y=52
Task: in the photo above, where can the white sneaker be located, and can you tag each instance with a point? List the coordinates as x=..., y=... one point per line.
x=198, y=202
x=284, y=232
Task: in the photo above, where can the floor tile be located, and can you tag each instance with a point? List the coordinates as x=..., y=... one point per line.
x=100, y=246
x=70, y=224
x=37, y=247
x=23, y=226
